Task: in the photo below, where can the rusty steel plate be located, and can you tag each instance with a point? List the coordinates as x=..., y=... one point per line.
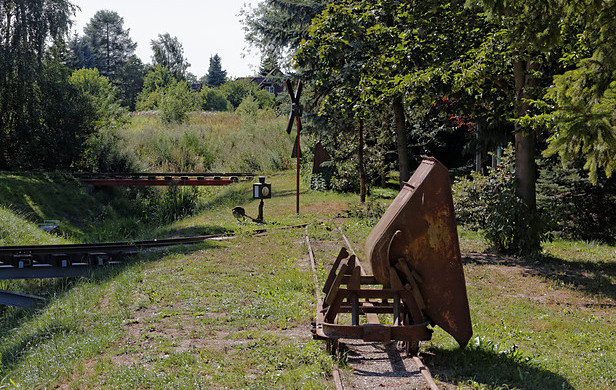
x=418, y=231
x=320, y=156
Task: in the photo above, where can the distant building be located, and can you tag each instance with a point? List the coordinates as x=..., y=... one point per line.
x=268, y=85
x=196, y=87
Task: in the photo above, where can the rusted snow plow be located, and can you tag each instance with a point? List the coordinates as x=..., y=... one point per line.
x=417, y=272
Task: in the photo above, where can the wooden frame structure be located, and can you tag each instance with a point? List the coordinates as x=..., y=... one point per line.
x=349, y=290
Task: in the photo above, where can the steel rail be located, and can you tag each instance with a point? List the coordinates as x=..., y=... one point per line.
x=74, y=260
x=423, y=369
x=157, y=174
x=82, y=248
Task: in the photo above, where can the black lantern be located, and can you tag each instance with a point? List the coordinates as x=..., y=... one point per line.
x=261, y=190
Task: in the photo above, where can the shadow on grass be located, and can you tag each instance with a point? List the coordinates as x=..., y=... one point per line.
x=485, y=365
x=591, y=277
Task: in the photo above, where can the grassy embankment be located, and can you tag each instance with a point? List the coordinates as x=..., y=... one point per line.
x=236, y=313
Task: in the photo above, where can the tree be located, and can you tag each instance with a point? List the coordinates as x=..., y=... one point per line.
x=106, y=46
x=29, y=28
x=579, y=107
x=168, y=52
x=162, y=92
x=529, y=29
x=110, y=45
x=279, y=26
x=270, y=66
x=216, y=76
x=131, y=77
x=364, y=55
x=101, y=96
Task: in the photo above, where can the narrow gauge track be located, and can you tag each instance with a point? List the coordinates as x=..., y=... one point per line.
x=163, y=179
x=64, y=255
x=69, y=261
x=397, y=364
x=74, y=260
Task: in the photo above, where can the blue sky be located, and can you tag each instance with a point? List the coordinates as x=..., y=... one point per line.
x=204, y=28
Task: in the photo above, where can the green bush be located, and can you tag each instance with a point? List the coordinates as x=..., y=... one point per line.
x=577, y=208
x=490, y=204
x=175, y=102
x=171, y=205
x=213, y=100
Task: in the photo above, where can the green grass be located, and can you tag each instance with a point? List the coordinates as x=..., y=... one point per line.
x=207, y=142
x=537, y=324
x=236, y=313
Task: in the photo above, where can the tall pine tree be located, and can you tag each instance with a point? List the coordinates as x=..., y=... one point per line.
x=216, y=76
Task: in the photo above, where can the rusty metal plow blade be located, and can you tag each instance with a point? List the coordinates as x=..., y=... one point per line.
x=417, y=271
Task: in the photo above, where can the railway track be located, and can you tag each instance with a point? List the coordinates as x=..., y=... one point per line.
x=374, y=365
x=74, y=260
x=163, y=179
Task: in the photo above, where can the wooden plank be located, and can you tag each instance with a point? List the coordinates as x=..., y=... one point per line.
x=334, y=289
x=343, y=254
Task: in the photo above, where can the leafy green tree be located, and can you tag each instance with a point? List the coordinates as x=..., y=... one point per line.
x=216, y=76
x=213, y=100
x=106, y=46
x=101, y=95
x=131, y=76
x=237, y=90
x=168, y=52
x=157, y=77
x=162, y=92
x=363, y=55
x=79, y=54
x=176, y=101
x=278, y=26
x=27, y=75
x=579, y=107
x=528, y=29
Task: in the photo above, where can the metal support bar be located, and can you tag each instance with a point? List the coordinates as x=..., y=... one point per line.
x=11, y=298
x=45, y=271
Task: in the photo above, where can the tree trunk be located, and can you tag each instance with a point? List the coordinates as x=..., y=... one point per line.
x=362, y=169
x=401, y=141
x=478, y=159
x=525, y=170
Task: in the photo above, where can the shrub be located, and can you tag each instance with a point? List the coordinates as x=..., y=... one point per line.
x=489, y=203
x=577, y=208
x=213, y=100
x=175, y=102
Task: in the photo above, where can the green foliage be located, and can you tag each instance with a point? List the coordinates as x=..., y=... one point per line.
x=576, y=207
x=173, y=204
x=582, y=123
x=236, y=90
x=172, y=98
x=104, y=153
x=102, y=96
x=490, y=203
x=168, y=52
x=248, y=107
x=213, y=100
x=158, y=77
x=175, y=102
x=109, y=44
x=32, y=97
x=216, y=76
x=277, y=26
